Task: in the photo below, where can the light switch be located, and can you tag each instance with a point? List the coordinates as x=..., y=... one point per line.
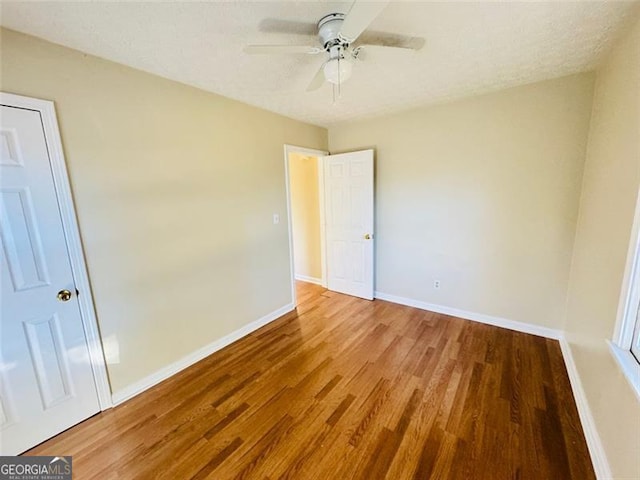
x=276, y=219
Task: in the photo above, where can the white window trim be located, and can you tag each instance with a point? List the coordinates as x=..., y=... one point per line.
x=620, y=345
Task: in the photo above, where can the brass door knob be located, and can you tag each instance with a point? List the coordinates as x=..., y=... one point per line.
x=64, y=295
x=367, y=236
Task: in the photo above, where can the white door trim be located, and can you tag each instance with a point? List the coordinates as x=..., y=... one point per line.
x=319, y=154
x=47, y=112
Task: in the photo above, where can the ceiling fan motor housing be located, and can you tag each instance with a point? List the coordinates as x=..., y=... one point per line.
x=329, y=31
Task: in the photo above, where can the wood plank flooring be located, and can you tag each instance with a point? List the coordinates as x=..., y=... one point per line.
x=348, y=389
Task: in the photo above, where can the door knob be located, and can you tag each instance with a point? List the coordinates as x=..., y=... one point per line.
x=64, y=295
x=367, y=236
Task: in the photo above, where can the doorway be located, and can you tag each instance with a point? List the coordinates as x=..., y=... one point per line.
x=336, y=191
x=305, y=208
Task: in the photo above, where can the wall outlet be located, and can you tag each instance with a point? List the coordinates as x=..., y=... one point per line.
x=276, y=219
x=436, y=284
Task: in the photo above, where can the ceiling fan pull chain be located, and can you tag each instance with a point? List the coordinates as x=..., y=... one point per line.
x=339, y=80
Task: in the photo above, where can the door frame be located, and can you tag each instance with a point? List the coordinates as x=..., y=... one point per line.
x=64, y=196
x=319, y=154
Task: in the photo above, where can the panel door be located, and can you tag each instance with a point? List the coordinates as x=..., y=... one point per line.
x=349, y=222
x=46, y=379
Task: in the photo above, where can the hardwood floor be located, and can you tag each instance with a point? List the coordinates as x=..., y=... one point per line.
x=348, y=389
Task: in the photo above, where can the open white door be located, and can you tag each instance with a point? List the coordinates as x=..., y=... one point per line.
x=348, y=182
x=46, y=377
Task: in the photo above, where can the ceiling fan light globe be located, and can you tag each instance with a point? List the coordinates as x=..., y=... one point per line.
x=337, y=72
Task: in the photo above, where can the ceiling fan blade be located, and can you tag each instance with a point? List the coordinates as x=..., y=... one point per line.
x=369, y=52
x=268, y=49
x=360, y=16
x=318, y=80
x=384, y=39
x=276, y=25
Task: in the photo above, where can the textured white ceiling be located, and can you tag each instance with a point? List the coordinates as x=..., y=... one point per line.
x=471, y=48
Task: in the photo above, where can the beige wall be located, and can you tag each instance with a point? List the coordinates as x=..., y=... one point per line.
x=610, y=188
x=175, y=190
x=305, y=215
x=481, y=194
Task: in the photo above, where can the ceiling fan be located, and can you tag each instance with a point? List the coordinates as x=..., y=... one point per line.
x=342, y=38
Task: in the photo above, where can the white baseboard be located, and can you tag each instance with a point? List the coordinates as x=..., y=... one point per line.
x=166, y=372
x=476, y=317
x=304, y=278
x=594, y=443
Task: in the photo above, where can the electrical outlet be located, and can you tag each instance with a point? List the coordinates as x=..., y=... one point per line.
x=436, y=284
